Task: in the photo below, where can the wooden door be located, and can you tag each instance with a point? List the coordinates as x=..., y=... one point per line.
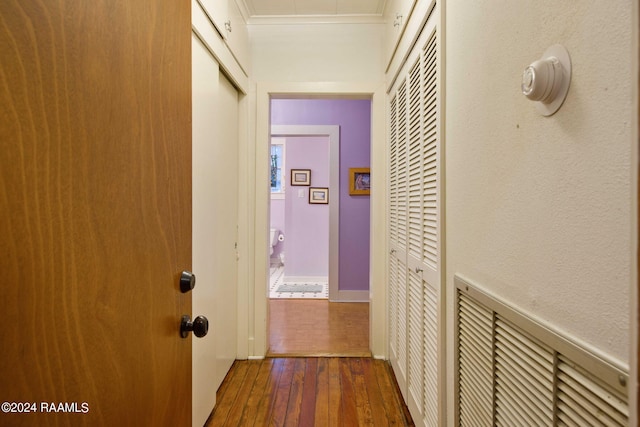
x=215, y=219
x=95, y=177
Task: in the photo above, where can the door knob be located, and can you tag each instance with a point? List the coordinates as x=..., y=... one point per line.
x=199, y=326
x=187, y=281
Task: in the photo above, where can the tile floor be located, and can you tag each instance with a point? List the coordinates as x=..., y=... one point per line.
x=277, y=279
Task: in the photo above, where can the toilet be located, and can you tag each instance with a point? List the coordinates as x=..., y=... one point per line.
x=273, y=240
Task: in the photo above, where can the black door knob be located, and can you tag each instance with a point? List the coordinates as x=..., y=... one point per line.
x=199, y=326
x=187, y=281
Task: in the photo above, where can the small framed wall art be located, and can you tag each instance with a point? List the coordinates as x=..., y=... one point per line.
x=359, y=181
x=318, y=196
x=301, y=177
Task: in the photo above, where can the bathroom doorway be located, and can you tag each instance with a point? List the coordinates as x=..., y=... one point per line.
x=300, y=181
x=339, y=325
x=347, y=123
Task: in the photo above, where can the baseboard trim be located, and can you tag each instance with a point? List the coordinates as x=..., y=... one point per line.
x=304, y=279
x=350, y=296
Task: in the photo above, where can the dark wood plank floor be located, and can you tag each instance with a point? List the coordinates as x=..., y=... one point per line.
x=326, y=391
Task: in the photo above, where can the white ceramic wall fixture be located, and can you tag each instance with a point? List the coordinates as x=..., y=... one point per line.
x=546, y=81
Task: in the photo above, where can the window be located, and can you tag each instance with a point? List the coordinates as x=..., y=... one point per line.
x=277, y=167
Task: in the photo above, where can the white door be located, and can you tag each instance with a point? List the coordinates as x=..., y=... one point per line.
x=215, y=218
x=415, y=212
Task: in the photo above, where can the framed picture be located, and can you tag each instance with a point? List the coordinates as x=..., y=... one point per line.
x=359, y=181
x=301, y=177
x=318, y=196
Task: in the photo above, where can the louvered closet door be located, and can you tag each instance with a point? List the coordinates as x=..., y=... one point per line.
x=398, y=233
x=415, y=212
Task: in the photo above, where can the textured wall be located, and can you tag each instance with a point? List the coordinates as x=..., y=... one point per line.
x=539, y=208
x=316, y=52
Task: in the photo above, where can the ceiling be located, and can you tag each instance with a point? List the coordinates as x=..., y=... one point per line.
x=314, y=7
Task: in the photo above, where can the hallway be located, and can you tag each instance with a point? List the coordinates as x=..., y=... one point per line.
x=318, y=328
x=310, y=391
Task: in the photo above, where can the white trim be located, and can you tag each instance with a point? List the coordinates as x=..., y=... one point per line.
x=257, y=307
x=203, y=28
x=333, y=132
x=634, y=314
x=314, y=19
x=244, y=9
x=378, y=244
x=304, y=279
x=350, y=296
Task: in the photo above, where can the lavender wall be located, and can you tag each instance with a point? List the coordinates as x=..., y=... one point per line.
x=354, y=119
x=307, y=225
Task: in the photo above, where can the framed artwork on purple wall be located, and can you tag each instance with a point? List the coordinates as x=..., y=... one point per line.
x=359, y=181
x=318, y=196
x=301, y=177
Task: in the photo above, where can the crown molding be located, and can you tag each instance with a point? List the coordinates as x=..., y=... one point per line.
x=314, y=19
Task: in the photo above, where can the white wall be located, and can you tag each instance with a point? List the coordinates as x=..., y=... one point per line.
x=540, y=209
x=316, y=52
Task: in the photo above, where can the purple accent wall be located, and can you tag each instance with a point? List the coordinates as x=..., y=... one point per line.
x=354, y=119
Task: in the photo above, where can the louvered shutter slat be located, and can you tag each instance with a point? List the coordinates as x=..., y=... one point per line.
x=402, y=317
x=415, y=338
x=430, y=339
x=430, y=173
x=414, y=171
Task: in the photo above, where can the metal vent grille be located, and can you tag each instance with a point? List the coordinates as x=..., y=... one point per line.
x=512, y=371
x=523, y=378
x=475, y=363
x=582, y=401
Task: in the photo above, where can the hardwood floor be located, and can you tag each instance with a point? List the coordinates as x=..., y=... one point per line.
x=318, y=328
x=310, y=392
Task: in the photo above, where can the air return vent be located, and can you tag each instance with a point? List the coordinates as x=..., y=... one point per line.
x=512, y=371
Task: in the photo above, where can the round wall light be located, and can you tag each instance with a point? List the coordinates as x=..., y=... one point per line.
x=547, y=80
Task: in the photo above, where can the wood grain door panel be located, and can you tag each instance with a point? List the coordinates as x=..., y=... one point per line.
x=96, y=226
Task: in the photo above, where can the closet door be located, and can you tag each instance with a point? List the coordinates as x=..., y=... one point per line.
x=398, y=233
x=215, y=216
x=415, y=295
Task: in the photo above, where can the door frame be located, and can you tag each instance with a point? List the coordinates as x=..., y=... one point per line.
x=258, y=308
x=333, y=133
